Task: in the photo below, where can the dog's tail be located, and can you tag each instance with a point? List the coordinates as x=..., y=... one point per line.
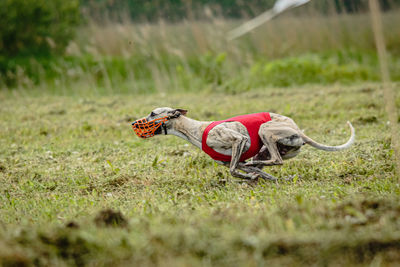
x=317, y=145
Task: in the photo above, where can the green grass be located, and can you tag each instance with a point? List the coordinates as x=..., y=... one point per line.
x=214, y=72
x=66, y=158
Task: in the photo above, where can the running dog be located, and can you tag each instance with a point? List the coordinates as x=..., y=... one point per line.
x=265, y=138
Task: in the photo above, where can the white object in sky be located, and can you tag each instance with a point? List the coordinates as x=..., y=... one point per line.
x=279, y=7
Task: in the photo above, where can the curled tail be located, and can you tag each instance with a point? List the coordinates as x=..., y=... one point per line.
x=317, y=145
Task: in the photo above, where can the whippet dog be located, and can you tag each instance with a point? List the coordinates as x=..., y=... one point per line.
x=265, y=138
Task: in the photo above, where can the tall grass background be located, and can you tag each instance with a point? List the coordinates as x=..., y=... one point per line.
x=297, y=48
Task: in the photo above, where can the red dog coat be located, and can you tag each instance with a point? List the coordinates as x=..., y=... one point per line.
x=252, y=122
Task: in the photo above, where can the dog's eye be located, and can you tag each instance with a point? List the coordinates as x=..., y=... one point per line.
x=152, y=114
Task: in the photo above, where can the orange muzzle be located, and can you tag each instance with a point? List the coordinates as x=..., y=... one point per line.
x=146, y=129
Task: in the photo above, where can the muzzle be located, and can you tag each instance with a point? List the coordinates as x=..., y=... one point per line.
x=146, y=129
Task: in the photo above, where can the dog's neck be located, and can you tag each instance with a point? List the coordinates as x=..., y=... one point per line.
x=189, y=129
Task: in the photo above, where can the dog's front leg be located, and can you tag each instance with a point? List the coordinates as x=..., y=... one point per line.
x=239, y=142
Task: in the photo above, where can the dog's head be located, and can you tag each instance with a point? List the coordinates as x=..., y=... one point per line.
x=159, y=120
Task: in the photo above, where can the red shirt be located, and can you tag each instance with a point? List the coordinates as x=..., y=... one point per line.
x=252, y=122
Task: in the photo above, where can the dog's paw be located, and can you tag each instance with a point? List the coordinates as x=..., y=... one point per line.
x=255, y=176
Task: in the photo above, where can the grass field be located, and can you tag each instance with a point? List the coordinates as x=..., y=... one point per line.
x=77, y=187
x=66, y=160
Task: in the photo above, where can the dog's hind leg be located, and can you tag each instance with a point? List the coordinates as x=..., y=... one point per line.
x=275, y=159
x=271, y=134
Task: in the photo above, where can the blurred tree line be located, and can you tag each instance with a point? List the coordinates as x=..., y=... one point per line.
x=37, y=26
x=43, y=27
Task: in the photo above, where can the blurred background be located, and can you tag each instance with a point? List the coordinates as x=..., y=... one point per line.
x=134, y=46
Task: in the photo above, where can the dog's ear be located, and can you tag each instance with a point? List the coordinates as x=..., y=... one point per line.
x=182, y=111
x=176, y=113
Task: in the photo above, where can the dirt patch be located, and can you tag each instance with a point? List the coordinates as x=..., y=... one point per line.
x=367, y=120
x=320, y=253
x=43, y=132
x=119, y=181
x=72, y=225
x=368, y=204
x=366, y=212
x=111, y=218
x=68, y=246
x=11, y=257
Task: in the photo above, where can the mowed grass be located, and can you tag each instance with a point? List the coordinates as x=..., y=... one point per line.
x=66, y=158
